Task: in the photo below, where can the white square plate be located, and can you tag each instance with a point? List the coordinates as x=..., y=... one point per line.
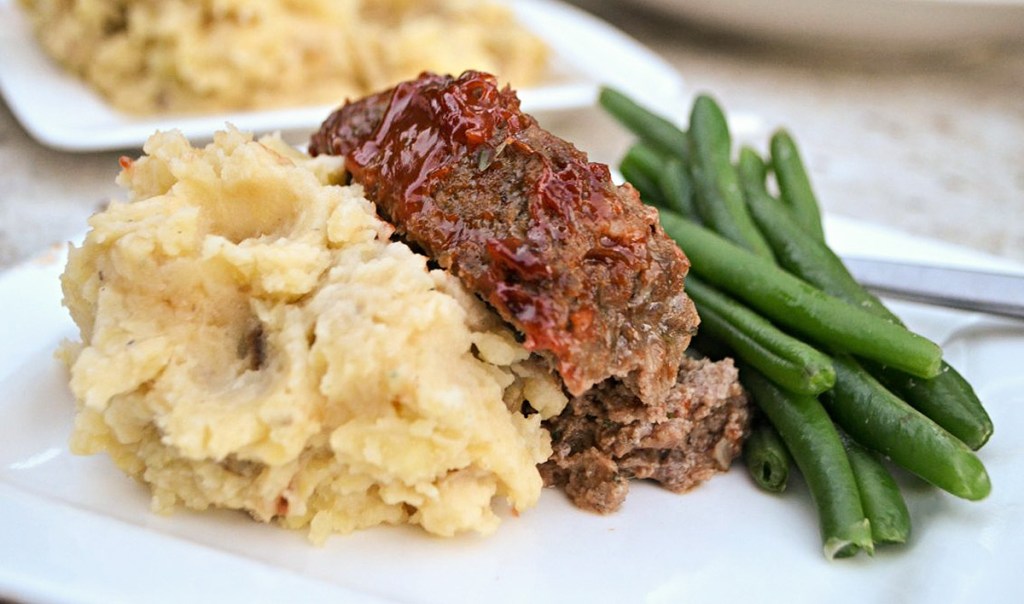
x=74, y=529
x=60, y=111
x=871, y=26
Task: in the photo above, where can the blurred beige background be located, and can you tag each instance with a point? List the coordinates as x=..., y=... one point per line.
x=929, y=143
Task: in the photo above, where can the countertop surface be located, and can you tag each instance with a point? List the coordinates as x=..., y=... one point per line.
x=927, y=143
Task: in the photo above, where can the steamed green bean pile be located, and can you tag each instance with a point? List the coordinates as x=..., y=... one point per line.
x=845, y=390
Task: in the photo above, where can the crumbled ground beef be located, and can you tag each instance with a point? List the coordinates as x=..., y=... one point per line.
x=607, y=436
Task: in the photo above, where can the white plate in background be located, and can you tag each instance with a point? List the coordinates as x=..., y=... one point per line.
x=74, y=529
x=869, y=25
x=60, y=111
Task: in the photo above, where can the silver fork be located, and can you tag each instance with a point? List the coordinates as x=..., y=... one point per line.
x=991, y=292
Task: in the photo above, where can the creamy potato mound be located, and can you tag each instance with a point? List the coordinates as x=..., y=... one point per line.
x=251, y=339
x=149, y=56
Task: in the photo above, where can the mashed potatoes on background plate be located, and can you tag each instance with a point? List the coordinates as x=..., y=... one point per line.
x=155, y=56
x=252, y=339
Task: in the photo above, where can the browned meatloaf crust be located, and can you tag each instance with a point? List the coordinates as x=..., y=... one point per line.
x=579, y=266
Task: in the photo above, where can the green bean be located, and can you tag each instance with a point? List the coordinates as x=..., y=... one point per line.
x=677, y=188
x=650, y=159
x=648, y=126
x=719, y=200
x=753, y=172
x=814, y=444
x=880, y=420
x=642, y=167
x=879, y=495
x=947, y=398
x=787, y=361
x=767, y=458
x=794, y=249
x=794, y=186
x=793, y=303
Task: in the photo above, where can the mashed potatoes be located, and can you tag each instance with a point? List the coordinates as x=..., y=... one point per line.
x=149, y=56
x=251, y=339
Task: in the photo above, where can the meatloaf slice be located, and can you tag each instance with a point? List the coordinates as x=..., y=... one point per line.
x=579, y=266
x=607, y=436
